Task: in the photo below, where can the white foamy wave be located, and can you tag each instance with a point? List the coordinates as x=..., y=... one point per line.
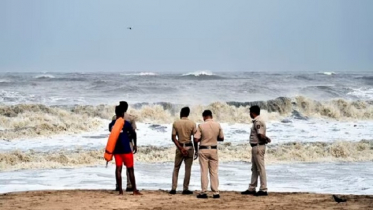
x=199, y=73
x=329, y=73
x=44, y=76
x=336, y=109
x=4, y=81
x=365, y=93
x=10, y=96
x=141, y=74
x=278, y=153
x=147, y=74
x=40, y=120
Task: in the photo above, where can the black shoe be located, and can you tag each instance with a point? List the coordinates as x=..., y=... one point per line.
x=129, y=189
x=204, y=196
x=172, y=192
x=216, y=196
x=261, y=193
x=248, y=192
x=187, y=192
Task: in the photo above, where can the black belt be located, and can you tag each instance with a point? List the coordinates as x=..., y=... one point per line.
x=208, y=147
x=254, y=145
x=186, y=145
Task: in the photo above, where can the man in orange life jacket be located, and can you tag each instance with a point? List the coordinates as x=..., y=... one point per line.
x=133, y=139
x=123, y=152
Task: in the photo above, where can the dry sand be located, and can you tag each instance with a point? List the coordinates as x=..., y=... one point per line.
x=157, y=200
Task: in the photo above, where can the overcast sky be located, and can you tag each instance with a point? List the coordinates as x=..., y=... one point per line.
x=190, y=35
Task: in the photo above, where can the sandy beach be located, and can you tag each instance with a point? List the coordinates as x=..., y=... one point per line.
x=157, y=200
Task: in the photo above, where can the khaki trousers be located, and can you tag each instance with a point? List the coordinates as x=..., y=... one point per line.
x=258, y=168
x=188, y=161
x=209, y=162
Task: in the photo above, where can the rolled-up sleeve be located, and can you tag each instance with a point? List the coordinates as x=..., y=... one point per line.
x=260, y=127
x=174, y=132
x=194, y=132
x=198, y=134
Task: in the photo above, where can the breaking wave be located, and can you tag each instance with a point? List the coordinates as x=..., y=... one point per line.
x=39, y=120
x=4, y=81
x=199, y=73
x=341, y=151
x=141, y=74
x=65, y=78
x=202, y=75
x=329, y=73
x=44, y=76
x=362, y=93
x=368, y=78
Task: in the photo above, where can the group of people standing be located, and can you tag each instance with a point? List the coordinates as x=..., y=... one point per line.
x=193, y=142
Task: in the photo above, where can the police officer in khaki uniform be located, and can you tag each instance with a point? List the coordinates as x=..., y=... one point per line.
x=258, y=141
x=182, y=132
x=133, y=143
x=208, y=134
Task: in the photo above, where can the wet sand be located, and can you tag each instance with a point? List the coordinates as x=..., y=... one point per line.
x=157, y=200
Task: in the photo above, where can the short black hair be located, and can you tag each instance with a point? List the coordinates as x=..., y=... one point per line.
x=124, y=105
x=255, y=109
x=207, y=113
x=185, y=111
x=119, y=111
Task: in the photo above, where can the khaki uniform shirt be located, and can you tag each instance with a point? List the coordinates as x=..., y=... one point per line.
x=129, y=118
x=208, y=132
x=259, y=127
x=184, y=129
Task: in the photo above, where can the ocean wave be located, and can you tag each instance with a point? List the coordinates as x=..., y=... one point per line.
x=341, y=151
x=9, y=96
x=141, y=74
x=39, y=120
x=238, y=112
x=100, y=83
x=329, y=73
x=336, y=109
x=199, y=73
x=306, y=77
x=4, y=81
x=327, y=91
x=366, y=79
x=29, y=121
x=69, y=79
x=44, y=76
x=366, y=93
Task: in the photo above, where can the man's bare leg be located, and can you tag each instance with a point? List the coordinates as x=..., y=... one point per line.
x=116, y=181
x=131, y=174
x=118, y=176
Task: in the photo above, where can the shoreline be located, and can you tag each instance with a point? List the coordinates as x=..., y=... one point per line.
x=160, y=199
x=333, y=178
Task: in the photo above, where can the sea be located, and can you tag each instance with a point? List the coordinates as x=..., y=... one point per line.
x=54, y=127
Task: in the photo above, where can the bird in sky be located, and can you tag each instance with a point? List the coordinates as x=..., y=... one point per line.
x=130, y=28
